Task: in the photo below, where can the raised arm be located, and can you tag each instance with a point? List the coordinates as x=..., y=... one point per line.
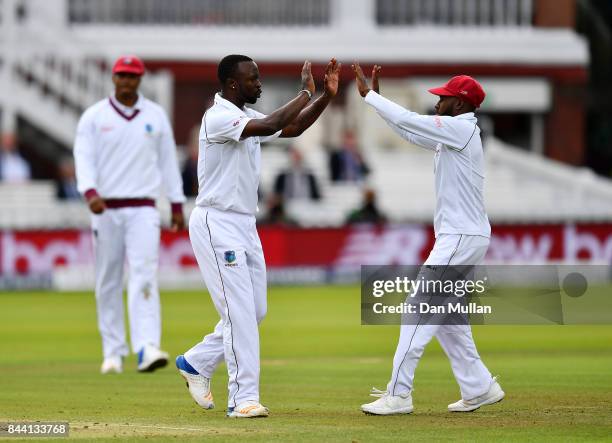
x=422, y=130
x=310, y=114
x=284, y=115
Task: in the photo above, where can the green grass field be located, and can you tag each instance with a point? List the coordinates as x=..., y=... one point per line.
x=318, y=365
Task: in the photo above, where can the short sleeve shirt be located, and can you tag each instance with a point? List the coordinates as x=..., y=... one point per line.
x=228, y=165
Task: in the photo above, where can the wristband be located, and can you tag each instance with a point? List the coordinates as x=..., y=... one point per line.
x=307, y=92
x=90, y=193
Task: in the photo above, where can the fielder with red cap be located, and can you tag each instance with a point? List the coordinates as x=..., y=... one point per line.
x=462, y=233
x=124, y=154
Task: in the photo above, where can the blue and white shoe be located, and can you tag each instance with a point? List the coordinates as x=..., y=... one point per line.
x=198, y=385
x=150, y=358
x=248, y=409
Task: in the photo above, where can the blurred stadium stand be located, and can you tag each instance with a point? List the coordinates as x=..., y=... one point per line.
x=56, y=57
x=520, y=188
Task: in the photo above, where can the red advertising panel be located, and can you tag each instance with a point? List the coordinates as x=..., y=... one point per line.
x=32, y=252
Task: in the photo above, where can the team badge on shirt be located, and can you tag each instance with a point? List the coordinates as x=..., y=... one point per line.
x=230, y=258
x=149, y=128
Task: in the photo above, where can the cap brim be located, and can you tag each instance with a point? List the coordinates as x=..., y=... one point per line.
x=128, y=70
x=441, y=91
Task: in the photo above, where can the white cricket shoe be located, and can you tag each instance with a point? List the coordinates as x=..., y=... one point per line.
x=198, y=385
x=493, y=395
x=151, y=358
x=114, y=363
x=248, y=409
x=388, y=404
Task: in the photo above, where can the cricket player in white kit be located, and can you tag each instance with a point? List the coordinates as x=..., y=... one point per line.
x=124, y=153
x=222, y=225
x=462, y=235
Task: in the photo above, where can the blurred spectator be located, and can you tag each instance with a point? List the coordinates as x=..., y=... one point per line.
x=66, y=188
x=347, y=163
x=297, y=182
x=190, y=168
x=368, y=212
x=13, y=168
x=276, y=213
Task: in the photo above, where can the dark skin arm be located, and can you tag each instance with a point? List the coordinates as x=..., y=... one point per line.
x=285, y=114
x=177, y=222
x=310, y=114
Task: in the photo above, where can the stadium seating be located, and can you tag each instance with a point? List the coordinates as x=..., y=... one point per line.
x=402, y=178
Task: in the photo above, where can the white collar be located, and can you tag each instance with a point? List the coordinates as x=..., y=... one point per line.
x=225, y=102
x=467, y=116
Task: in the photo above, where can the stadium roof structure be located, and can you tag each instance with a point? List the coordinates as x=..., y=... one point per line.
x=62, y=47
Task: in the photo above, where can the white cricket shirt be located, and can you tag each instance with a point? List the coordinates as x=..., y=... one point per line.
x=229, y=166
x=124, y=152
x=458, y=163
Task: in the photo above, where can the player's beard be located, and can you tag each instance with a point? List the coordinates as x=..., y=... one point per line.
x=126, y=94
x=249, y=98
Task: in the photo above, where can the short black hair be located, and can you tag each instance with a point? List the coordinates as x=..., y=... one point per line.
x=227, y=66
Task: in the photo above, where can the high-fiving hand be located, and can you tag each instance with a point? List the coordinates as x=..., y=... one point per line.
x=307, y=80
x=375, y=72
x=332, y=77
x=362, y=81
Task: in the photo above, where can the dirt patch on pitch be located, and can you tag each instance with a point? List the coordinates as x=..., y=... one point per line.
x=122, y=430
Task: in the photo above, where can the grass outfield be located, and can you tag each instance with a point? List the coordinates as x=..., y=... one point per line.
x=318, y=364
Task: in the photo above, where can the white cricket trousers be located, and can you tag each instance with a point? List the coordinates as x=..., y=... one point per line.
x=473, y=377
x=131, y=232
x=230, y=257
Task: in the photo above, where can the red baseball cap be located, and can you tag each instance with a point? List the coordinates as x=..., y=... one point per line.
x=463, y=87
x=129, y=64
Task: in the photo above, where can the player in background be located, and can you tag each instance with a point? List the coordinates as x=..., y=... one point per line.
x=462, y=234
x=124, y=152
x=222, y=225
